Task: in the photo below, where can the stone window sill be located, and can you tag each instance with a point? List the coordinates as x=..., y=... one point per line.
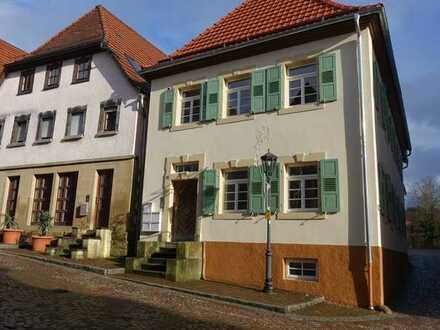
x=301, y=216
x=183, y=127
x=301, y=108
x=16, y=144
x=40, y=142
x=232, y=216
x=72, y=138
x=105, y=134
x=235, y=119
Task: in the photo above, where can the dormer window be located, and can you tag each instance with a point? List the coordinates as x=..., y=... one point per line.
x=81, y=71
x=190, y=106
x=26, y=82
x=53, y=75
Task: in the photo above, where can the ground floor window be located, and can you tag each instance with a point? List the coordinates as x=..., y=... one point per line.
x=302, y=269
x=11, y=203
x=65, y=207
x=236, y=191
x=303, y=188
x=42, y=193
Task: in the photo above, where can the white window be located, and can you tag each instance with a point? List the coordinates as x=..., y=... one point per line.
x=236, y=191
x=239, y=97
x=303, y=85
x=190, y=106
x=186, y=167
x=303, y=188
x=46, y=123
x=76, y=119
x=19, y=130
x=302, y=269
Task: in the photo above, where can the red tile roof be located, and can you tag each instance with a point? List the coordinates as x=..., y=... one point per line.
x=8, y=53
x=257, y=18
x=99, y=25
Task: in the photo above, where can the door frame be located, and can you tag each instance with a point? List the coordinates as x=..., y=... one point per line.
x=172, y=231
x=96, y=194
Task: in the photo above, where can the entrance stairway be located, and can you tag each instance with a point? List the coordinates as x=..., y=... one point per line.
x=156, y=264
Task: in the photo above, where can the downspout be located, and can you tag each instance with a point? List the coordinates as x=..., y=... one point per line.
x=364, y=160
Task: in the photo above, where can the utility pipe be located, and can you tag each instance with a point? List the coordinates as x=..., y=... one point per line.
x=364, y=160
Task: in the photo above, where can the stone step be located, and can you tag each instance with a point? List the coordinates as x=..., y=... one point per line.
x=154, y=267
x=153, y=273
x=171, y=245
x=164, y=255
x=77, y=254
x=162, y=261
x=168, y=250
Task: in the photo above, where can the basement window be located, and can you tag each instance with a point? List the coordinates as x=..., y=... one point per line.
x=302, y=269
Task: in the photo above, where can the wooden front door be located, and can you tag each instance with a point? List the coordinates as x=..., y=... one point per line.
x=103, y=198
x=184, y=210
x=65, y=207
x=42, y=193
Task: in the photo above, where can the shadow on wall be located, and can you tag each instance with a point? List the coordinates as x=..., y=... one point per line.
x=55, y=307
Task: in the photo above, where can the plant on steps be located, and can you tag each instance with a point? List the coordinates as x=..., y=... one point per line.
x=40, y=242
x=10, y=222
x=11, y=232
x=44, y=223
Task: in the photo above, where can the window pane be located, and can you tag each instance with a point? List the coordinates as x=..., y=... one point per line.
x=239, y=83
x=311, y=183
x=229, y=206
x=310, y=98
x=237, y=175
x=311, y=203
x=75, y=124
x=313, y=169
x=242, y=206
x=194, y=92
x=308, y=69
x=295, y=204
x=243, y=196
x=44, y=128
x=230, y=187
x=295, y=194
x=294, y=184
x=110, y=120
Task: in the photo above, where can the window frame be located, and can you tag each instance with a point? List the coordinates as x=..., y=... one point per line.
x=2, y=128
x=49, y=68
x=69, y=201
x=70, y=112
x=106, y=106
x=14, y=143
x=238, y=90
x=301, y=77
x=26, y=74
x=44, y=201
x=76, y=70
x=236, y=183
x=12, y=197
x=42, y=116
x=302, y=178
x=302, y=277
x=191, y=99
x=193, y=166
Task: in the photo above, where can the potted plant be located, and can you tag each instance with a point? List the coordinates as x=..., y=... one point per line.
x=40, y=242
x=11, y=233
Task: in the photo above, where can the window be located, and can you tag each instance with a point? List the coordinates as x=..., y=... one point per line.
x=46, y=122
x=76, y=119
x=190, y=106
x=2, y=128
x=53, y=75
x=134, y=64
x=236, y=191
x=65, y=206
x=11, y=202
x=302, y=269
x=19, y=130
x=81, y=70
x=109, y=117
x=188, y=167
x=303, y=85
x=42, y=193
x=26, y=82
x=303, y=188
x=239, y=97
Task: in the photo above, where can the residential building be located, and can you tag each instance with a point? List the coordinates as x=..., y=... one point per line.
x=8, y=53
x=73, y=119
x=283, y=75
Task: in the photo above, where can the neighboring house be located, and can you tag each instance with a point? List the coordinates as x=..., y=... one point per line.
x=8, y=53
x=73, y=119
x=282, y=75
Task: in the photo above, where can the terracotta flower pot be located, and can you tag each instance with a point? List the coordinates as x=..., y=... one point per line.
x=11, y=236
x=39, y=243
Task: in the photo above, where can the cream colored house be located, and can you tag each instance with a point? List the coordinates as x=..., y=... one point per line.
x=72, y=119
x=284, y=78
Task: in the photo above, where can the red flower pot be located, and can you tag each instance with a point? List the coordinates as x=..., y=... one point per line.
x=11, y=236
x=39, y=243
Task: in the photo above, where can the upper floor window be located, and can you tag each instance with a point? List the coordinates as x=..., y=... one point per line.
x=109, y=117
x=303, y=85
x=236, y=191
x=46, y=123
x=26, y=82
x=76, y=120
x=2, y=128
x=239, y=97
x=53, y=75
x=81, y=70
x=19, y=130
x=190, y=106
x=303, y=188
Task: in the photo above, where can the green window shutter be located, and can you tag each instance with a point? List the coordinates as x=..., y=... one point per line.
x=203, y=90
x=273, y=88
x=209, y=192
x=256, y=197
x=329, y=186
x=275, y=191
x=167, y=107
x=212, y=99
x=327, y=77
x=258, y=91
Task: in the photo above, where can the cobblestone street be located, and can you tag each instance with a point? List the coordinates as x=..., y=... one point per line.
x=37, y=295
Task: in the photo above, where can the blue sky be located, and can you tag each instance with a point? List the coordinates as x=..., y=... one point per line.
x=169, y=24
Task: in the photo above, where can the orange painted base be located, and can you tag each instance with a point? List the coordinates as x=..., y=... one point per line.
x=342, y=269
x=11, y=236
x=39, y=243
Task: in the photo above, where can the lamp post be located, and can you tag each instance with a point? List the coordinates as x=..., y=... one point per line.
x=268, y=162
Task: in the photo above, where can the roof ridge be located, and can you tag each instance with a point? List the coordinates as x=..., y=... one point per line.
x=64, y=30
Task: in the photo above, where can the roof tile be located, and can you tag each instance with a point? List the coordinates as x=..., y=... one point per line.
x=8, y=53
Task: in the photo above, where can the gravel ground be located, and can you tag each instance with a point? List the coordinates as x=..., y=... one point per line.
x=45, y=296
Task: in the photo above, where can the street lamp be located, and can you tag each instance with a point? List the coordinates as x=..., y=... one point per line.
x=268, y=162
